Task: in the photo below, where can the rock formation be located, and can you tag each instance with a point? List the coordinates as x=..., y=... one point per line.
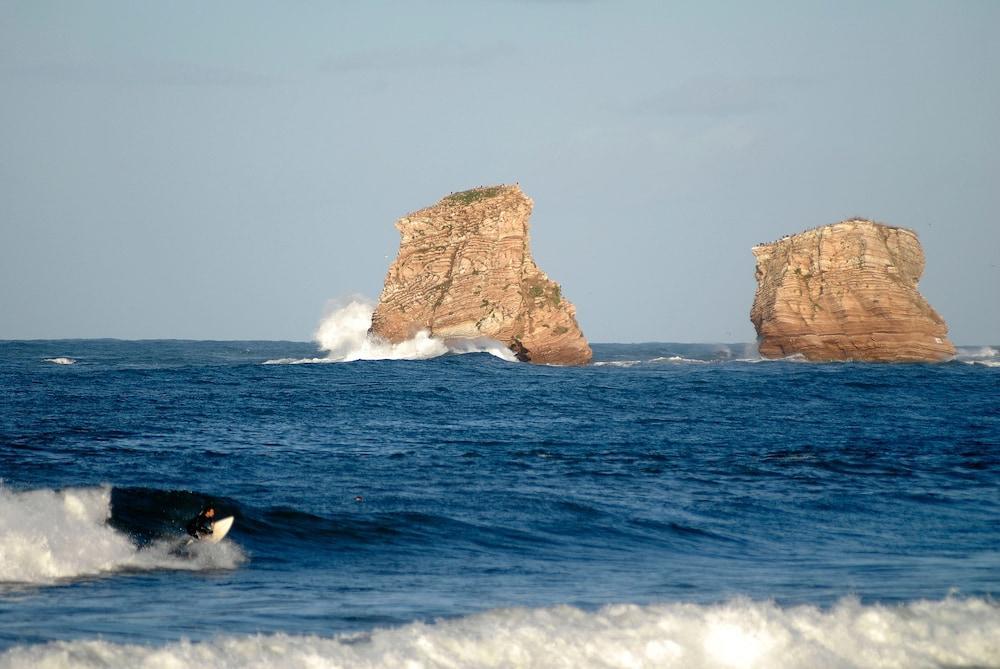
x=846, y=291
x=464, y=270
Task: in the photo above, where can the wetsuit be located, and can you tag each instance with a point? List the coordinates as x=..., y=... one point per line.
x=200, y=526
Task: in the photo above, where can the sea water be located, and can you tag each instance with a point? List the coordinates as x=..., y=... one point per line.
x=668, y=505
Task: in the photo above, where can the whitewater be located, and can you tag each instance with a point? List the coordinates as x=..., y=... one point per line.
x=48, y=536
x=434, y=504
x=949, y=633
x=343, y=334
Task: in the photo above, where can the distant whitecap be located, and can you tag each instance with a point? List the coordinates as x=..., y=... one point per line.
x=61, y=361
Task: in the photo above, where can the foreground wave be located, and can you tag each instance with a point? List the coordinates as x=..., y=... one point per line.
x=947, y=633
x=48, y=536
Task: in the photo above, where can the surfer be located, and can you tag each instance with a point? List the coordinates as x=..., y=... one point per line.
x=203, y=524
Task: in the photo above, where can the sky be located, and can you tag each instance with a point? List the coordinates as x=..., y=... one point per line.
x=223, y=170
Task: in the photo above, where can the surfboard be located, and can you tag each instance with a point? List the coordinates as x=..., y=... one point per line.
x=220, y=529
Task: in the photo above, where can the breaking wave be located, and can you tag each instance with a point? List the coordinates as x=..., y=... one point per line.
x=986, y=356
x=47, y=536
x=61, y=361
x=617, y=363
x=664, y=360
x=741, y=633
x=661, y=354
x=678, y=358
x=343, y=334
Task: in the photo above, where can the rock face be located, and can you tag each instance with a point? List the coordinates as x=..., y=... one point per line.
x=464, y=270
x=846, y=291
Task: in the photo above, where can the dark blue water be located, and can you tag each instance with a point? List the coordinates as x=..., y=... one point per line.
x=375, y=494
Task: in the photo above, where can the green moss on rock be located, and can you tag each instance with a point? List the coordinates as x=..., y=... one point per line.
x=467, y=197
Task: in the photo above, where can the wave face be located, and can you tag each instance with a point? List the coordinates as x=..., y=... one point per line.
x=49, y=536
x=740, y=633
x=343, y=334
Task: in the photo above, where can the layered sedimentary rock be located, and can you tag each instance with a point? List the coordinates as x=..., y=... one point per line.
x=846, y=291
x=465, y=270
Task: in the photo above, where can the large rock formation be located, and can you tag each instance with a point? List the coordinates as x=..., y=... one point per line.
x=464, y=270
x=846, y=291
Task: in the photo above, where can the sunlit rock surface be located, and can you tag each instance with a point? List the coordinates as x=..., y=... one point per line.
x=465, y=271
x=846, y=291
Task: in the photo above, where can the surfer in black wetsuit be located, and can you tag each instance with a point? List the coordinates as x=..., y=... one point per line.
x=202, y=524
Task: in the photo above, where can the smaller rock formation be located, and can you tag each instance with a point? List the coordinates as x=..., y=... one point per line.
x=846, y=291
x=465, y=270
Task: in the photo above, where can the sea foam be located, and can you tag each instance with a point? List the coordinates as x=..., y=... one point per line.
x=343, y=334
x=985, y=356
x=47, y=536
x=62, y=360
x=951, y=632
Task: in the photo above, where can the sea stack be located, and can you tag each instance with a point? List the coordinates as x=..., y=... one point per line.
x=846, y=291
x=465, y=271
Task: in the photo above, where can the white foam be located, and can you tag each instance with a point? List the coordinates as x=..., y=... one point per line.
x=343, y=334
x=677, y=358
x=976, y=352
x=61, y=361
x=673, y=359
x=617, y=363
x=794, y=357
x=49, y=535
x=985, y=356
x=741, y=633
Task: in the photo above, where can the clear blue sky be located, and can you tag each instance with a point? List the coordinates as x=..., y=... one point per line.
x=221, y=169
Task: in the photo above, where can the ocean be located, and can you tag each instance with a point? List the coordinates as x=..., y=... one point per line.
x=668, y=505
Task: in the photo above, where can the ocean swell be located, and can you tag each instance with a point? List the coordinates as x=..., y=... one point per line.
x=741, y=633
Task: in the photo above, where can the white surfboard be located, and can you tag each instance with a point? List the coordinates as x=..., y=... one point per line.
x=220, y=529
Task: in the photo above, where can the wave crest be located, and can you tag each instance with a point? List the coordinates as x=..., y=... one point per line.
x=985, y=356
x=62, y=360
x=343, y=334
x=741, y=633
x=49, y=535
